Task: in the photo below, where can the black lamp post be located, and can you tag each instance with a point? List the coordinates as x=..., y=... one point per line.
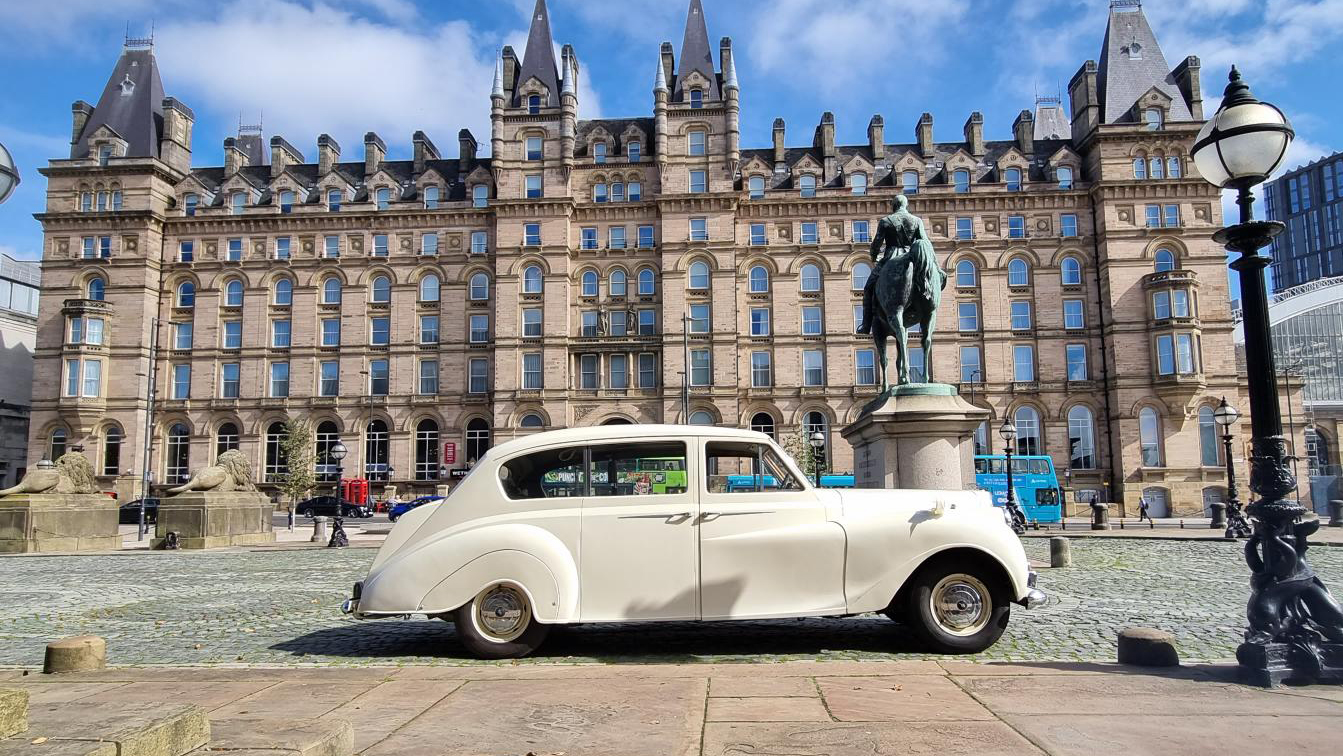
x=1236, y=525
x=1296, y=626
x=338, y=452
x=817, y=441
x=1008, y=432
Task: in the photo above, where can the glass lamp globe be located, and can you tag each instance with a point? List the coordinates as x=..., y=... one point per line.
x=817, y=439
x=1244, y=142
x=338, y=451
x=1008, y=431
x=1225, y=414
x=9, y=174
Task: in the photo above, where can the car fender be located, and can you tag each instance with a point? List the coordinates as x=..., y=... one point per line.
x=432, y=575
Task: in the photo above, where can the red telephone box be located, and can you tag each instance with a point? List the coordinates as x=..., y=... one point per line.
x=354, y=490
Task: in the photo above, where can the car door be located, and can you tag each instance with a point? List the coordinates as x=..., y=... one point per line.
x=638, y=556
x=767, y=547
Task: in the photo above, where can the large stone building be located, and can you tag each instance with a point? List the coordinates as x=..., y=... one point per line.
x=1309, y=200
x=586, y=270
x=19, y=283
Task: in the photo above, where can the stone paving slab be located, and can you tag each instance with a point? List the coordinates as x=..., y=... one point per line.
x=1128, y=735
x=20, y=746
x=241, y=736
x=386, y=708
x=766, y=709
x=301, y=699
x=745, y=687
x=803, y=739
x=898, y=699
x=167, y=729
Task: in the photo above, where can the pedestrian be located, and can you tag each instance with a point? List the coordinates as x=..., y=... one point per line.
x=1142, y=510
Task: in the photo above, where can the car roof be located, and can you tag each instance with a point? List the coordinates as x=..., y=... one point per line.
x=598, y=433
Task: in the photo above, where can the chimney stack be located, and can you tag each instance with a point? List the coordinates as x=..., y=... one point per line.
x=234, y=158
x=375, y=150
x=424, y=151
x=328, y=154
x=1085, y=101
x=80, y=113
x=511, y=66
x=923, y=132
x=1187, y=79
x=466, y=151
x=876, y=137
x=974, y=134
x=779, y=165
x=282, y=155
x=668, y=63
x=1023, y=130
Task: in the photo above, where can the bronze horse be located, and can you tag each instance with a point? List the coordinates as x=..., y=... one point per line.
x=907, y=290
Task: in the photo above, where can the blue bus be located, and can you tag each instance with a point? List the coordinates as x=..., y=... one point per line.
x=1034, y=483
x=747, y=482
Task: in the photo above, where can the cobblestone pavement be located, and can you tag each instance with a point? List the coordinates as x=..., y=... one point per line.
x=281, y=607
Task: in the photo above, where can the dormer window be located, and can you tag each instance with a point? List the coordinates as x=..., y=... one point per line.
x=104, y=154
x=431, y=198
x=696, y=99
x=1154, y=118
x=533, y=104
x=807, y=185
x=383, y=197
x=909, y=182
x=286, y=202
x=237, y=203
x=1135, y=50
x=756, y=186
x=1012, y=177
x=633, y=151
x=189, y=203
x=960, y=178
x=333, y=198
x=858, y=183
x=480, y=195
x=1065, y=177
x=127, y=86
x=599, y=152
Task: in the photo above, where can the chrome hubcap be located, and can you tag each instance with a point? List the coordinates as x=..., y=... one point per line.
x=961, y=604
x=502, y=613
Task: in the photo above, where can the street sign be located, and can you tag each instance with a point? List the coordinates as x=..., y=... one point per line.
x=458, y=473
x=449, y=452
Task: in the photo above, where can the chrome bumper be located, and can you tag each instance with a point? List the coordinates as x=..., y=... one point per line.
x=1034, y=596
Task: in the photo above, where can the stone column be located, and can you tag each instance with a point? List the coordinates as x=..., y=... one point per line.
x=920, y=437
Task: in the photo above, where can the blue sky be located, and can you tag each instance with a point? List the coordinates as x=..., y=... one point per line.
x=395, y=66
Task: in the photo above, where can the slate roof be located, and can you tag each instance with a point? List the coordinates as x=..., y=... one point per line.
x=696, y=55
x=305, y=174
x=539, y=58
x=1051, y=122
x=1131, y=63
x=616, y=128
x=254, y=147
x=131, y=105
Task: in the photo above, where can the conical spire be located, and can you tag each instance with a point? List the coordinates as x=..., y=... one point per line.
x=660, y=82
x=1131, y=63
x=696, y=54
x=730, y=75
x=131, y=105
x=498, y=89
x=570, y=81
x=538, y=60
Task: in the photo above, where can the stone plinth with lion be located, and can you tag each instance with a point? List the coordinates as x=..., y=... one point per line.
x=72, y=474
x=230, y=472
x=219, y=506
x=58, y=507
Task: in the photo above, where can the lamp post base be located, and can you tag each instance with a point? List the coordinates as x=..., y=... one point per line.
x=1271, y=664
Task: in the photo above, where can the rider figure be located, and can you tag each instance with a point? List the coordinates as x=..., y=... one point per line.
x=894, y=238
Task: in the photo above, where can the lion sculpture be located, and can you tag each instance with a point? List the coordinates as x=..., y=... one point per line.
x=229, y=473
x=72, y=474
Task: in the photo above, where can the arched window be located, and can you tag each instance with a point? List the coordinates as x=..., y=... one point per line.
x=381, y=290
x=532, y=282
x=1012, y=177
x=275, y=460
x=966, y=273
x=615, y=283
x=759, y=279
x=589, y=279
x=858, y=183
x=1029, y=436
x=1081, y=439
x=764, y=423
x=112, y=450
x=699, y=275
x=1165, y=260
x=756, y=187
x=1158, y=501
x=186, y=294
x=477, y=440
x=97, y=288
x=909, y=182
x=429, y=288
x=480, y=195
x=647, y=282
x=1018, y=273
x=811, y=278
x=861, y=272
x=325, y=438
x=375, y=451
x=1140, y=168
x=701, y=417
x=960, y=178
x=1070, y=271
x=233, y=293
x=533, y=104
x=807, y=185
x=480, y=287
x=1155, y=167
x=331, y=290
x=814, y=422
x=226, y=439
x=1065, y=175
x=1149, y=433
x=56, y=444
x=531, y=420
x=1207, y=438
x=284, y=292
x=177, y=455
x=426, y=450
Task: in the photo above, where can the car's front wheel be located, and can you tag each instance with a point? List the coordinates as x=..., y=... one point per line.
x=307, y=513
x=499, y=624
x=956, y=607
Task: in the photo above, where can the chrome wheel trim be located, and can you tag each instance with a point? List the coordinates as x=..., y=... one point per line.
x=501, y=613
x=960, y=604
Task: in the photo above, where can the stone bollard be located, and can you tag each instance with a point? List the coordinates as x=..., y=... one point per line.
x=78, y=654
x=1336, y=513
x=318, y=530
x=1100, y=516
x=1218, y=516
x=1060, y=552
x=1147, y=647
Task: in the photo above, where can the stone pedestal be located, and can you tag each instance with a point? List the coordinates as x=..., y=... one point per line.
x=210, y=519
x=58, y=522
x=919, y=436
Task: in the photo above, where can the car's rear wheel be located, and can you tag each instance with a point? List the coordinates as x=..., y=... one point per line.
x=499, y=624
x=956, y=607
x=307, y=513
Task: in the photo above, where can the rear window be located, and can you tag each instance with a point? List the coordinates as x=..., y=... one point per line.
x=645, y=469
x=553, y=473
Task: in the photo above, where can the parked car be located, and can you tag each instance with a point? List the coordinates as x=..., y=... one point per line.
x=402, y=507
x=325, y=506
x=129, y=513
x=502, y=562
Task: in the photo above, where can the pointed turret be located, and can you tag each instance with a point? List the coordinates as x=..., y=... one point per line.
x=660, y=80
x=730, y=74
x=497, y=89
x=1131, y=65
x=696, y=55
x=131, y=106
x=538, y=60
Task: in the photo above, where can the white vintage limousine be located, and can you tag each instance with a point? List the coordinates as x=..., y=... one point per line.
x=632, y=523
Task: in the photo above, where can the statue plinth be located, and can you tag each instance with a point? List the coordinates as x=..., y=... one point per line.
x=47, y=522
x=919, y=436
x=211, y=519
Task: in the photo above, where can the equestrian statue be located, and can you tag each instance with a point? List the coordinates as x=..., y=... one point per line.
x=904, y=289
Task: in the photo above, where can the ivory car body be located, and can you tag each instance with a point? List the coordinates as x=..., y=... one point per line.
x=637, y=523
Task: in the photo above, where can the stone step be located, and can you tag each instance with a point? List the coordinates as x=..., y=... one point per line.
x=88, y=729
x=13, y=712
x=269, y=736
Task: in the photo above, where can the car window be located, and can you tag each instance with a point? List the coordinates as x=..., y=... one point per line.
x=544, y=474
x=742, y=467
x=646, y=469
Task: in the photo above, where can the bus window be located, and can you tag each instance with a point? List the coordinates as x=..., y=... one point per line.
x=1047, y=497
x=997, y=466
x=981, y=466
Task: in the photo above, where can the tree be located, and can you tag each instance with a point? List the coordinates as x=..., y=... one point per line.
x=800, y=449
x=297, y=463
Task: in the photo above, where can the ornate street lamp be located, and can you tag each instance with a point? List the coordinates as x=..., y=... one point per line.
x=338, y=452
x=9, y=174
x=817, y=441
x=1008, y=432
x=1296, y=626
x=1236, y=525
